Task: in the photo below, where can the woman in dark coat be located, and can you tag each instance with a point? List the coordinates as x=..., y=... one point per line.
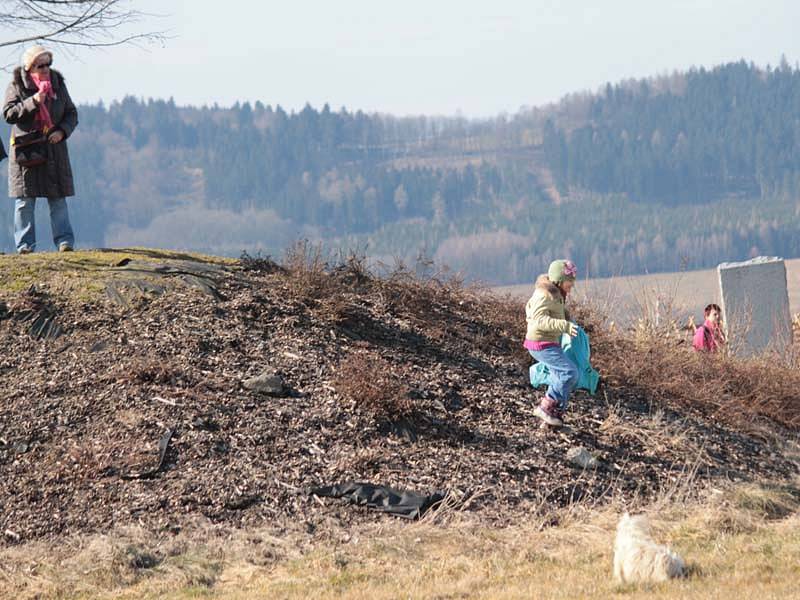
x=37, y=100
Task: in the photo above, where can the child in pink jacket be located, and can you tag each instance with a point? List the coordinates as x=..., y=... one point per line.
x=709, y=336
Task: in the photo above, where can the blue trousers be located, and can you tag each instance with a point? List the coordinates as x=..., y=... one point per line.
x=25, y=222
x=563, y=373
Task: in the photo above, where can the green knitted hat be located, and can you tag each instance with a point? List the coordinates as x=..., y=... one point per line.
x=562, y=270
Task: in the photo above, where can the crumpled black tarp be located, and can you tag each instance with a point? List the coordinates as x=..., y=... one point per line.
x=402, y=503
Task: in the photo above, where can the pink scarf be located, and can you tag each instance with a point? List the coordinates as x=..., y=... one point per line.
x=42, y=120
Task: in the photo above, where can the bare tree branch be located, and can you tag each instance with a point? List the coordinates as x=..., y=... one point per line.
x=88, y=23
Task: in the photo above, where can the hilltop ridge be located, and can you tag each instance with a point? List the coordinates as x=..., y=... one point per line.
x=128, y=397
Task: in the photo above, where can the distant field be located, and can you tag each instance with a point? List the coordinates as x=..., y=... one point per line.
x=687, y=292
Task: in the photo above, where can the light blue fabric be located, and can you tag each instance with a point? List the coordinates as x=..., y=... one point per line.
x=577, y=350
x=25, y=223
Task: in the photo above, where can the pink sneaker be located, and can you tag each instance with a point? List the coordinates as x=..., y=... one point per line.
x=548, y=412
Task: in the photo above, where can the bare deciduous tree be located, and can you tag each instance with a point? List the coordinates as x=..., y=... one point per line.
x=91, y=23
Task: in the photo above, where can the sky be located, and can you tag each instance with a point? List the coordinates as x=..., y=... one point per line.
x=434, y=57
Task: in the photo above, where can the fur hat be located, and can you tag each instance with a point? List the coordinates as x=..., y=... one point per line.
x=562, y=270
x=31, y=54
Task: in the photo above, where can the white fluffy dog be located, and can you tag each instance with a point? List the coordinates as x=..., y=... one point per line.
x=637, y=558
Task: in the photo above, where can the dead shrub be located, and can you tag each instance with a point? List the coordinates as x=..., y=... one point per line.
x=417, y=291
x=351, y=270
x=259, y=263
x=734, y=389
x=308, y=271
x=371, y=385
x=325, y=285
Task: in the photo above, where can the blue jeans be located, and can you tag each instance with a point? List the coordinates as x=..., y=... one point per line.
x=563, y=373
x=25, y=222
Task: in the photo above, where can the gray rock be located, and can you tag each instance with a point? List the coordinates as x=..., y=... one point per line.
x=268, y=382
x=581, y=457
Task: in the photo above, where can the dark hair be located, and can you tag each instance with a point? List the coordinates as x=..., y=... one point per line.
x=711, y=307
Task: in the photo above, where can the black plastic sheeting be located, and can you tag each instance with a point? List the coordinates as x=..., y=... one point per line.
x=401, y=503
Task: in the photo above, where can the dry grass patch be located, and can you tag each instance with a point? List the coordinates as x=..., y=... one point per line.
x=760, y=557
x=528, y=561
x=133, y=563
x=656, y=432
x=739, y=391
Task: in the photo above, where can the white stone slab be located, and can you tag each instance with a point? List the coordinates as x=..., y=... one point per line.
x=755, y=305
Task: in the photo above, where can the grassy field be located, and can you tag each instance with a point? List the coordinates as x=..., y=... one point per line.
x=743, y=542
x=687, y=292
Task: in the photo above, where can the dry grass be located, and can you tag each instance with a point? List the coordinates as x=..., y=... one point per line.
x=796, y=329
x=662, y=435
x=308, y=269
x=131, y=562
x=740, y=542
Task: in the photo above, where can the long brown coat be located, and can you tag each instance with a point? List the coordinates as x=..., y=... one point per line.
x=54, y=178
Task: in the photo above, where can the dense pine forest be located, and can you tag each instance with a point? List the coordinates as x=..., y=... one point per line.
x=731, y=130
x=685, y=170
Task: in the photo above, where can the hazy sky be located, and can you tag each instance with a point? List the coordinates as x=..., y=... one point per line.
x=432, y=56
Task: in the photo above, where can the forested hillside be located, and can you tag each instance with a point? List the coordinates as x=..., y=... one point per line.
x=732, y=130
x=679, y=171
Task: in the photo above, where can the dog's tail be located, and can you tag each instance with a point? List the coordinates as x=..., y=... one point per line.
x=671, y=567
